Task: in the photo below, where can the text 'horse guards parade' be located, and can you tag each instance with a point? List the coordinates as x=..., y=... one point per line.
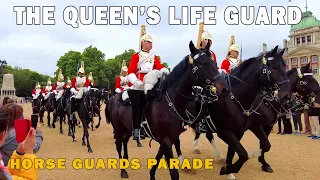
x=166, y=96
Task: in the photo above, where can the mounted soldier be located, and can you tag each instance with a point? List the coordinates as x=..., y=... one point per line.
x=141, y=63
x=122, y=82
x=205, y=37
x=35, y=93
x=47, y=90
x=79, y=85
x=58, y=88
x=232, y=61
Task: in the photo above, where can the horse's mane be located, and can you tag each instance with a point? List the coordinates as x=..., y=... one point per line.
x=176, y=73
x=291, y=71
x=243, y=66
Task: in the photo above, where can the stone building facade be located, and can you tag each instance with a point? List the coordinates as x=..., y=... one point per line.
x=303, y=45
x=8, y=88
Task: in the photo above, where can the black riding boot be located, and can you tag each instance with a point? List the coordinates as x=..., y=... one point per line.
x=137, y=101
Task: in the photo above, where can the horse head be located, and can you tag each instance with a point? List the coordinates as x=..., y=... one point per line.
x=203, y=71
x=92, y=96
x=303, y=82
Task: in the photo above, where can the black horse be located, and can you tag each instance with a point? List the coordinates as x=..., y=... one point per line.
x=163, y=111
x=102, y=95
x=262, y=123
x=38, y=106
x=249, y=79
x=49, y=106
x=63, y=109
x=86, y=110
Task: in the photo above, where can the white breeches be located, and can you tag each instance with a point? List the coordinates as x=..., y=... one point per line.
x=315, y=127
x=59, y=94
x=79, y=94
x=35, y=97
x=46, y=97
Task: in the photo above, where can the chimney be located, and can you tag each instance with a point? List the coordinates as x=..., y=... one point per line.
x=264, y=47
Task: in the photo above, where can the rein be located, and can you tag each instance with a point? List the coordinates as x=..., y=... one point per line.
x=204, y=99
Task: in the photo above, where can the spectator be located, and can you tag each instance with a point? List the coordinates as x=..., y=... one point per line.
x=10, y=144
x=297, y=122
x=5, y=99
x=24, y=151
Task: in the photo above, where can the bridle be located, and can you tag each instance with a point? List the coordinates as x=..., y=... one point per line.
x=265, y=91
x=210, y=87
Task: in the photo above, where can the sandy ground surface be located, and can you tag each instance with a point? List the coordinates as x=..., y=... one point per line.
x=291, y=157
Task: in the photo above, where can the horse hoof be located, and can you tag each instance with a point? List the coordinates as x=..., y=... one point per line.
x=90, y=150
x=96, y=126
x=69, y=133
x=124, y=174
x=83, y=143
x=223, y=170
x=267, y=168
x=196, y=151
x=152, y=178
x=53, y=126
x=61, y=132
x=231, y=177
x=74, y=140
x=139, y=145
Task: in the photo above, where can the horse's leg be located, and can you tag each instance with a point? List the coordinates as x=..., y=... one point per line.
x=169, y=155
x=265, y=146
x=69, y=126
x=216, y=152
x=232, y=140
x=98, y=125
x=154, y=168
x=119, y=150
x=55, y=116
x=73, y=126
x=48, y=117
x=195, y=142
x=92, y=123
x=124, y=173
x=61, y=119
x=87, y=137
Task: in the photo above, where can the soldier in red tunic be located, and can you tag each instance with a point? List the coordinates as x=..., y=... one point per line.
x=232, y=61
x=36, y=93
x=141, y=63
x=122, y=82
x=47, y=91
x=79, y=85
x=58, y=89
x=90, y=77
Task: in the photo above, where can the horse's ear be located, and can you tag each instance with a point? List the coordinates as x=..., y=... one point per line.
x=274, y=51
x=306, y=68
x=282, y=52
x=192, y=48
x=208, y=46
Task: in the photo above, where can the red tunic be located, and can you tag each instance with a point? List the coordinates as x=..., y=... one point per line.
x=225, y=65
x=133, y=66
x=118, y=85
x=74, y=80
x=55, y=86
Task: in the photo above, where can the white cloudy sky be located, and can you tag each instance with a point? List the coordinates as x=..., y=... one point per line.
x=39, y=47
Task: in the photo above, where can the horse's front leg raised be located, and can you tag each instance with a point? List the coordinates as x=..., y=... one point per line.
x=233, y=141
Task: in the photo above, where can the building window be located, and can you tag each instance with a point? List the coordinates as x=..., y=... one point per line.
x=303, y=39
x=304, y=60
x=298, y=41
x=315, y=59
x=315, y=70
x=294, y=61
x=309, y=39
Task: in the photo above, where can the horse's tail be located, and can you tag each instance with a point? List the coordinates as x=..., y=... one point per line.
x=107, y=114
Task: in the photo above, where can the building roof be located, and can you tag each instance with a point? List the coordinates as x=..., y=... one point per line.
x=307, y=21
